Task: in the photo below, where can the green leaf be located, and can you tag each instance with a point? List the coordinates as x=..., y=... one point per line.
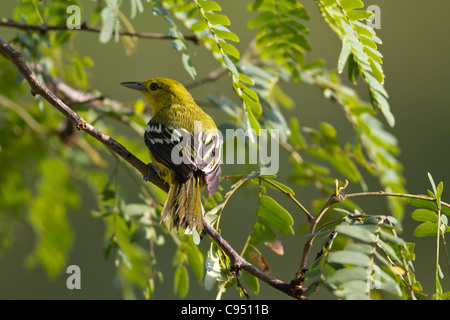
x=439, y=190
x=230, y=49
x=108, y=246
x=136, y=209
x=108, y=16
x=426, y=229
x=360, y=232
x=346, y=275
x=250, y=281
x=196, y=261
x=225, y=33
x=212, y=265
x=188, y=66
x=261, y=19
x=353, y=290
x=359, y=14
x=360, y=247
x=345, y=165
x=252, y=121
x=209, y=5
x=246, y=79
x=274, y=184
x=376, y=56
x=376, y=70
x=178, y=45
x=217, y=18
x=123, y=257
x=230, y=65
x=354, y=258
x=425, y=215
x=296, y=137
x=181, y=281
x=199, y=26
x=329, y=133
x=135, y=5
x=274, y=215
x=52, y=231
x=388, y=249
x=262, y=233
x=248, y=95
x=363, y=30
x=350, y=4
x=343, y=56
x=383, y=105
x=431, y=205
x=139, y=234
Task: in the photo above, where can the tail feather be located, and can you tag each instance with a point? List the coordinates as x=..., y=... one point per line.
x=183, y=204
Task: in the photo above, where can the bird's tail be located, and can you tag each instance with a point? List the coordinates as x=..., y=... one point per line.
x=184, y=204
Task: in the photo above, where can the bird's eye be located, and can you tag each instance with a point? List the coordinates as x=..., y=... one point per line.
x=154, y=86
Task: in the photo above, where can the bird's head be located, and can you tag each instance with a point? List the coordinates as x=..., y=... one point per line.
x=161, y=92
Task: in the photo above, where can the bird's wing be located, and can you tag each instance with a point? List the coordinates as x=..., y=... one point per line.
x=170, y=146
x=208, y=157
x=184, y=153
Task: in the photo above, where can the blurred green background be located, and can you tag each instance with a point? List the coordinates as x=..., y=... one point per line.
x=417, y=66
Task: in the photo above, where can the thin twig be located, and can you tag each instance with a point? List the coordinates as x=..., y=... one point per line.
x=291, y=196
x=238, y=280
x=84, y=27
x=312, y=228
x=212, y=76
x=393, y=194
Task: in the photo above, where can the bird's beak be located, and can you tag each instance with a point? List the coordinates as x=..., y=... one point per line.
x=134, y=85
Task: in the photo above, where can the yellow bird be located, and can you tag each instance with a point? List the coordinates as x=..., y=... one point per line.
x=184, y=145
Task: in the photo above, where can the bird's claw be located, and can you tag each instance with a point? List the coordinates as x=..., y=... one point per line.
x=152, y=169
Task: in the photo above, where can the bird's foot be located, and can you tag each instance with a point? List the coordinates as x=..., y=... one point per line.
x=152, y=169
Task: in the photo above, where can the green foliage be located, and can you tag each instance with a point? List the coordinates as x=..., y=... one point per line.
x=281, y=35
x=48, y=215
x=210, y=27
x=45, y=162
x=434, y=224
x=274, y=215
x=359, y=48
x=374, y=262
x=179, y=43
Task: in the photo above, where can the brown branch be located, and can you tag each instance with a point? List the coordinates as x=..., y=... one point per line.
x=239, y=263
x=236, y=261
x=239, y=284
x=84, y=27
x=212, y=76
x=334, y=198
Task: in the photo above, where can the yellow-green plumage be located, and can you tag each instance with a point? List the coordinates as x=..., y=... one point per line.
x=175, y=124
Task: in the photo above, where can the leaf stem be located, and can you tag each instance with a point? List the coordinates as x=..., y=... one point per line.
x=83, y=27
x=308, y=215
x=393, y=194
